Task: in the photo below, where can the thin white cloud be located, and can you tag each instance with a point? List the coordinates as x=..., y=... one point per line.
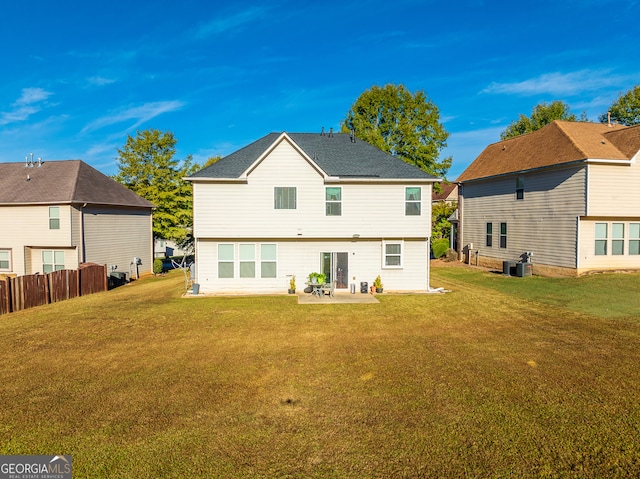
x=139, y=114
x=557, y=83
x=231, y=22
x=100, y=81
x=30, y=102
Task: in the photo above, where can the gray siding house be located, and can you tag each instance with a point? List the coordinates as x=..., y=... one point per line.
x=569, y=193
x=59, y=214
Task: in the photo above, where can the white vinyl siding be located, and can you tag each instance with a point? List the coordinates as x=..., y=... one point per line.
x=613, y=189
x=246, y=210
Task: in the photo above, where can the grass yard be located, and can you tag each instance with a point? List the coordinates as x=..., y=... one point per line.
x=502, y=377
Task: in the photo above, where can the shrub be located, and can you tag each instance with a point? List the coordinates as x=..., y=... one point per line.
x=439, y=247
x=157, y=266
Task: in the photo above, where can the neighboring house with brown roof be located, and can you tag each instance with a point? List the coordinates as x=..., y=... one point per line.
x=569, y=193
x=448, y=193
x=59, y=214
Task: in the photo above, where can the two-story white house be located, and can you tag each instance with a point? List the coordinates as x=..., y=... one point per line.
x=568, y=192
x=296, y=203
x=59, y=214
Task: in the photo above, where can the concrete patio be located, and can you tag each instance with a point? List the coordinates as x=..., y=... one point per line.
x=338, y=298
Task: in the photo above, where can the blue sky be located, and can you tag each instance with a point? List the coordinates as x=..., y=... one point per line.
x=78, y=76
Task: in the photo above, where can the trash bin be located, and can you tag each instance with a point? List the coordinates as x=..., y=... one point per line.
x=353, y=288
x=364, y=287
x=196, y=288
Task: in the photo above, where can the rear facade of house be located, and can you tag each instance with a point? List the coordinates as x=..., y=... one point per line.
x=568, y=193
x=292, y=204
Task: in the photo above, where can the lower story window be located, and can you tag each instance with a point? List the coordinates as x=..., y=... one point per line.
x=601, y=239
x=392, y=254
x=52, y=261
x=225, y=260
x=5, y=260
x=617, y=238
x=634, y=238
x=503, y=235
x=268, y=261
x=247, y=253
x=489, y=239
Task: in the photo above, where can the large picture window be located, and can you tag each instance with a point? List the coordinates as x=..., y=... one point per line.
x=601, y=239
x=52, y=261
x=634, y=238
x=412, y=196
x=225, y=260
x=392, y=254
x=284, y=198
x=333, y=198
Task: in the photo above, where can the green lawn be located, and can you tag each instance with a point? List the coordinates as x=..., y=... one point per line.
x=502, y=377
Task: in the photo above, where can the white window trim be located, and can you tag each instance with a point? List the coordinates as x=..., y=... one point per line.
x=262, y=260
x=407, y=201
x=332, y=202
x=53, y=257
x=241, y=260
x=384, y=254
x=233, y=261
x=9, y=259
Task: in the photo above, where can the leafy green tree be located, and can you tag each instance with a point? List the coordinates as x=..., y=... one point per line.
x=146, y=165
x=541, y=115
x=440, y=214
x=626, y=109
x=401, y=123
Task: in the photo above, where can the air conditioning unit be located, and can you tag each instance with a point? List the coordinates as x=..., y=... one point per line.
x=524, y=269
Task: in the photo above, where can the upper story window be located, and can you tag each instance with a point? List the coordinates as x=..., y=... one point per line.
x=54, y=217
x=284, y=198
x=503, y=235
x=601, y=239
x=489, y=241
x=333, y=198
x=5, y=260
x=412, y=197
x=52, y=261
x=520, y=188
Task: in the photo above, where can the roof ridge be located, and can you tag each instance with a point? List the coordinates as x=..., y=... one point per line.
x=76, y=180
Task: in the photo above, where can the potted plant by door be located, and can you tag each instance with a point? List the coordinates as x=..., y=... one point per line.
x=292, y=285
x=378, y=284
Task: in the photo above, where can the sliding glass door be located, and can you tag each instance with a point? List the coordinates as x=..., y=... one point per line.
x=336, y=267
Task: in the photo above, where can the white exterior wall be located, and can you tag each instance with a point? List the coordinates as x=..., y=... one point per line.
x=587, y=257
x=24, y=226
x=544, y=222
x=300, y=258
x=614, y=190
x=247, y=210
x=371, y=212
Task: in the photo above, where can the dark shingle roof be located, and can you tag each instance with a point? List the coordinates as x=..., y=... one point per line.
x=68, y=181
x=557, y=143
x=335, y=154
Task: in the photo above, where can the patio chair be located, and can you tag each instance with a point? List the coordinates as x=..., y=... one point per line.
x=329, y=289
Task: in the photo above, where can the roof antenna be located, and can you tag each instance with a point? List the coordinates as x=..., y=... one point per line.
x=608, y=118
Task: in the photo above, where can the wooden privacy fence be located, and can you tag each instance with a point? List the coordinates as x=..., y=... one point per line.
x=26, y=292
